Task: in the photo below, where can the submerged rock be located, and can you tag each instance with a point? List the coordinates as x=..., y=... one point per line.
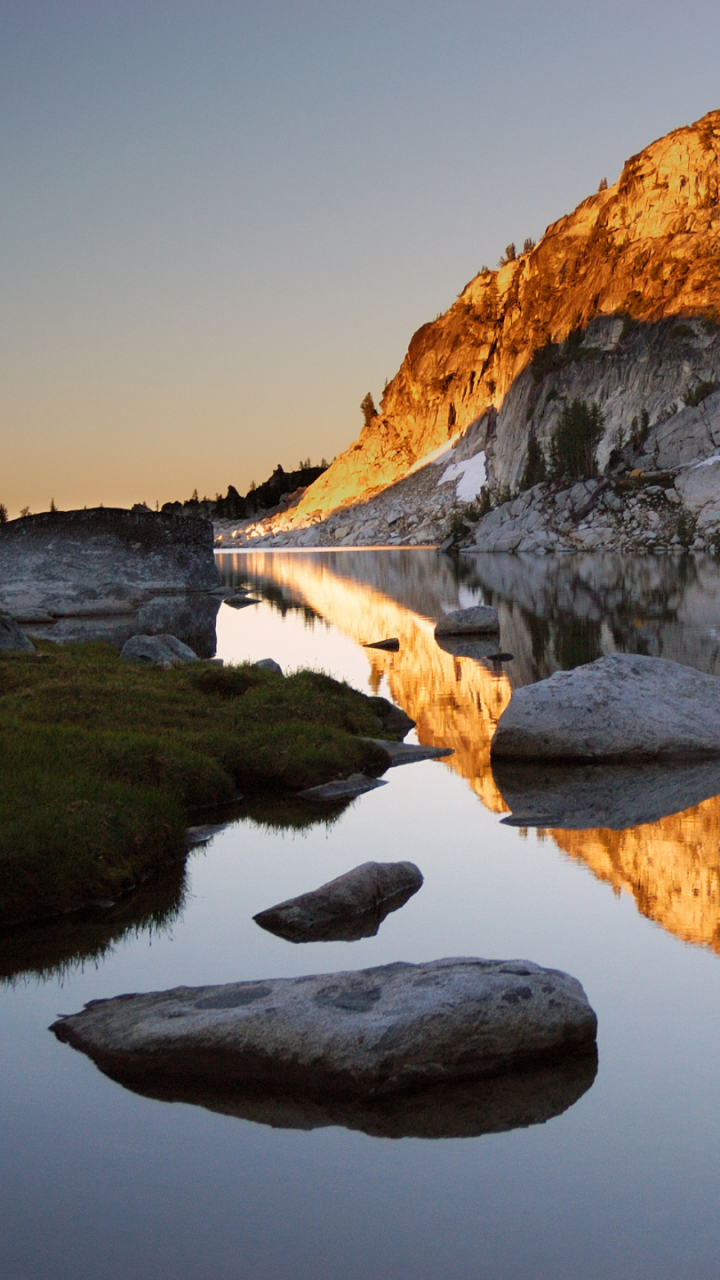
x=342, y=788
x=161, y=651
x=351, y=906
x=577, y=797
x=368, y=1033
x=461, y=1109
x=482, y=619
x=12, y=637
x=623, y=707
x=410, y=752
x=392, y=645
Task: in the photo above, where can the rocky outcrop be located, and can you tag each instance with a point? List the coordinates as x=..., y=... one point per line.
x=617, y=305
x=110, y=574
x=372, y=1032
x=350, y=907
x=624, y=707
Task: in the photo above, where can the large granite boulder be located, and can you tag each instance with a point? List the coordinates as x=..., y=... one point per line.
x=12, y=637
x=623, y=707
x=372, y=1032
x=576, y=797
x=455, y=1109
x=351, y=906
x=481, y=620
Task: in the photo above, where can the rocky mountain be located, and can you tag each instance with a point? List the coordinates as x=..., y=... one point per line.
x=617, y=306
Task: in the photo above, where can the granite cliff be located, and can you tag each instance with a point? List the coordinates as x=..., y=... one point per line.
x=618, y=305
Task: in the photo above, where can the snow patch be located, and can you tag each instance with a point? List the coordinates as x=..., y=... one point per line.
x=708, y=462
x=470, y=476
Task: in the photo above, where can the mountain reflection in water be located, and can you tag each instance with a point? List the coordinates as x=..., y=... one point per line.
x=555, y=611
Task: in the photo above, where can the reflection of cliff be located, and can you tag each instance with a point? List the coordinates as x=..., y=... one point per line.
x=455, y=701
x=671, y=868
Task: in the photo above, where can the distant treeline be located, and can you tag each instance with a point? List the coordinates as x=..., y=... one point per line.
x=259, y=498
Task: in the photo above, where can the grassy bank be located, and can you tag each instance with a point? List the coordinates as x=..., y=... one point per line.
x=103, y=764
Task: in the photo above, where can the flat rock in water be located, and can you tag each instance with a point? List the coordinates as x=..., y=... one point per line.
x=160, y=651
x=350, y=907
x=365, y=1033
x=410, y=752
x=482, y=619
x=577, y=797
x=12, y=637
x=239, y=602
x=342, y=788
x=392, y=645
x=459, y=1109
x=624, y=707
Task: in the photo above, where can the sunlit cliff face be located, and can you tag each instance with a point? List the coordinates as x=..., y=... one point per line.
x=670, y=867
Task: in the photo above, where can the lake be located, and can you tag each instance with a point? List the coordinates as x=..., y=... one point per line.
x=621, y=1181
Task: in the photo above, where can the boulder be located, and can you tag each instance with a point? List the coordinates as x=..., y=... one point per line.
x=269, y=664
x=162, y=651
x=459, y=1109
x=352, y=906
x=621, y=708
x=482, y=619
x=576, y=797
x=365, y=1033
x=12, y=637
x=341, y=788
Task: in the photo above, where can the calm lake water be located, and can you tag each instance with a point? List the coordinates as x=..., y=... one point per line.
x=100, y=1182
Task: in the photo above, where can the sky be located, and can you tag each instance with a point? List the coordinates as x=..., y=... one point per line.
x=221, y=222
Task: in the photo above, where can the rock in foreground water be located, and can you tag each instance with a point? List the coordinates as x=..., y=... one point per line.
x=624, y=707
x=482, y=619
x=350, y=907
x=370, y=1032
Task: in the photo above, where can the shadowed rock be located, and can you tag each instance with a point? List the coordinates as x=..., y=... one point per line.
x=481, y=620
x=463, y=1109
x=624, y=707
x=159, y=651
x=342, y=788
x=350, y=907
x=583, y=796
x=468, y=646
x=269, y=664
x=12, y=637
x=366, y=1033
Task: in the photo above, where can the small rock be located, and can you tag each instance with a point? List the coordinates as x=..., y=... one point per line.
x=392, y=645
x=408, y=752
x=240, y=602
x=350, y=907
x=161, y=651
x=342, y=788
x=269, y=664
x=195, y=836
x=482, y=619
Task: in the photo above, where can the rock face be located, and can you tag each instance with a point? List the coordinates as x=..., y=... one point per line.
x=110, y=574
x=159, y=651
x=481, y=620
x=461, y=1109
x=352, y=906
x=617, y=305
x=623, y=707
x=371, y=1032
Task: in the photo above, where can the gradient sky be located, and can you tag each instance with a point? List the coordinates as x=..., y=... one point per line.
x=222, y=222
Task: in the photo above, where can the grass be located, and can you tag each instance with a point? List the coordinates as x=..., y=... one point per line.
x=103, y=764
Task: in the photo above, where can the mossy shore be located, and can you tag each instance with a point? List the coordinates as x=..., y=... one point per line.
x=104, y=764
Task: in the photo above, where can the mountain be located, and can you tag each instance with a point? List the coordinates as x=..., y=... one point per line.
x=617, y=306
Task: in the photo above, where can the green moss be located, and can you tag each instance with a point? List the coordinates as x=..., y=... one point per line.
x=102, y=761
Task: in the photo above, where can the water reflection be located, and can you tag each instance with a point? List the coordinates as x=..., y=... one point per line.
x=655, y=834
x=461, y=1110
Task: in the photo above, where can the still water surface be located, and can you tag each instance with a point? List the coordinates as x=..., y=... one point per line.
x=97, y=1181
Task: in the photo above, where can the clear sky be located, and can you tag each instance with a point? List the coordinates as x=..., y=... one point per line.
x=223, y=220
